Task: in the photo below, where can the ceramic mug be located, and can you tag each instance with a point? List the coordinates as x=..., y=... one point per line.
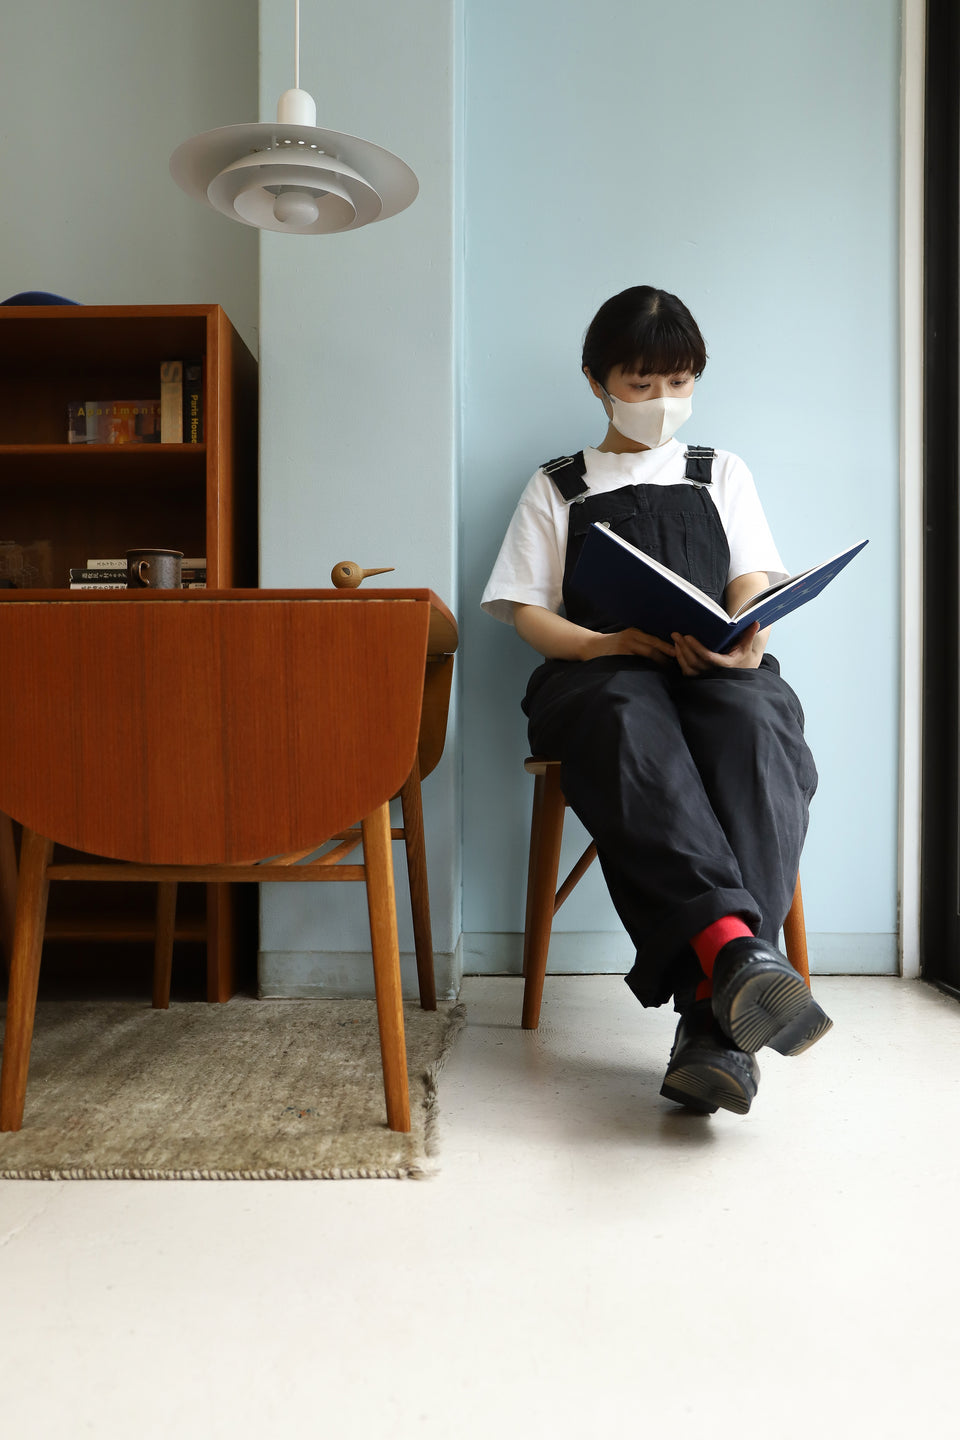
x=154, y=569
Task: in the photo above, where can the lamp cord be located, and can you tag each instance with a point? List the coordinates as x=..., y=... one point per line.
x=296, y=44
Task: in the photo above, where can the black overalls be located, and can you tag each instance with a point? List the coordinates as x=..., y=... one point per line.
x=696, y=789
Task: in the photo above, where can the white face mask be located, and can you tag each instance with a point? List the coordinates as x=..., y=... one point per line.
x=650, y=422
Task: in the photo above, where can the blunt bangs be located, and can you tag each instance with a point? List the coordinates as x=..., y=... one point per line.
x=645, y=332
x=663, y=350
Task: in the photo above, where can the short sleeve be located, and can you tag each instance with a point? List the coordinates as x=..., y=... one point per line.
x=529, y=567
x=752, y=545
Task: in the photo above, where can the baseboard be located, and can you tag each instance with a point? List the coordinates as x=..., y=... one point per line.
x=347, y=975
x=572, y=952
x=608, y=952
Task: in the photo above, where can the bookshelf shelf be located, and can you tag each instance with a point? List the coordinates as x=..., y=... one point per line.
x=86, y=501
x=119, y=454
x=92, y=467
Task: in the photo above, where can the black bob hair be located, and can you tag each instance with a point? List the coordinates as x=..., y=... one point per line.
x=645, y=331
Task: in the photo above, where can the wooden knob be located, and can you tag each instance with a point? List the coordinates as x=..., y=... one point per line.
x=348, y=574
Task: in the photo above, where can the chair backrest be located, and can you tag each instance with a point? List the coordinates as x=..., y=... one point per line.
x=186, y=728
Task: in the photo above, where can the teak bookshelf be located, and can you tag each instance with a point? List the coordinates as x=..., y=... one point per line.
x=101, y=500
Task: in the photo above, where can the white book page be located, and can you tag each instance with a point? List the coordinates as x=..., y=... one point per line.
x=672, y=575
x=765, y=594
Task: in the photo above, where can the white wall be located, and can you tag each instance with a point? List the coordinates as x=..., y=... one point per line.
x=745, y=156
x=358, y=413
x=94, y=98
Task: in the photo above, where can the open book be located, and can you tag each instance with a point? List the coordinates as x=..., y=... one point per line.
x=641, y=592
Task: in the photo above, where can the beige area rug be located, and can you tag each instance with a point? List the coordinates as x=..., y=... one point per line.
x=249, y=1090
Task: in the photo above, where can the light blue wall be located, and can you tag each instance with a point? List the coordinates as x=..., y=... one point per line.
x=359, y=410
x=94, y=97
x=745, y=156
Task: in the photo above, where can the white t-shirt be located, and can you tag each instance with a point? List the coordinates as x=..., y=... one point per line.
x=529, y=567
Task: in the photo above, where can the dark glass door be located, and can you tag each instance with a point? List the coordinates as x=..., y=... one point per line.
x=940, y=830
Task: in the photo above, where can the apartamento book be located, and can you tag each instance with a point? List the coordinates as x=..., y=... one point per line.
x=640, y=592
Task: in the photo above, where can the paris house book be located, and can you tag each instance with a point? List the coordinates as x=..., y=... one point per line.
x=638, y=591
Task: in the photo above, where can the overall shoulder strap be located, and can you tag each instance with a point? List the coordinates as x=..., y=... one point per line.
x=567, y=473
x=699, y=460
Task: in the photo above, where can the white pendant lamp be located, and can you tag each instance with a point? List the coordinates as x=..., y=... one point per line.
x=290, y=176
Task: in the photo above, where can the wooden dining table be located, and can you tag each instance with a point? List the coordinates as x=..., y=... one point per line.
x=215, y=735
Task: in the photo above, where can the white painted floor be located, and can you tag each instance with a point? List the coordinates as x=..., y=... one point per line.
x=590, y=1261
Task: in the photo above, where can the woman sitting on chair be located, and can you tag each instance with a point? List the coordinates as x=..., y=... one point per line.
x=688, y=768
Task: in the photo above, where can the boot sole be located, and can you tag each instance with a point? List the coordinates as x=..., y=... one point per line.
x=771, y=1008
x=706, y=1088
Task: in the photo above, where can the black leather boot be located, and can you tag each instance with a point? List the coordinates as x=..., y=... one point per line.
x=759, y=999
x=706, y=1073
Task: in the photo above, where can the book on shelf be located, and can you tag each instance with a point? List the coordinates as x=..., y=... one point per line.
x=122, y=584
x=78, y=573
x=171, y=402
x=119, y=562
x=113, y=422
x=193, y=572
x=192, y=403
x=638, y=591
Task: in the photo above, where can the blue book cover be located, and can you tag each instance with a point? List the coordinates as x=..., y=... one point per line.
x=646, y=595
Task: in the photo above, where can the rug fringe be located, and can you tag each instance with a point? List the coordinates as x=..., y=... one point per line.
x=412, y=1172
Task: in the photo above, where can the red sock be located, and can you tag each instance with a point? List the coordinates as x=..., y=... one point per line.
x=708, y=943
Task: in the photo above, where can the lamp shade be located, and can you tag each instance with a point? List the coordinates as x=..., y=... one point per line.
x=293, y=177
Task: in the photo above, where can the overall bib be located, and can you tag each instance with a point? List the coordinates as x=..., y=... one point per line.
x=695, y=789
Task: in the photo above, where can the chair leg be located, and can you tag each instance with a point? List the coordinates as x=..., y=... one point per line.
x=536, y=825
x=411, y=802
x=546, y=837
x=163, y=943
x=381, y=903
x=35, y=853
x=795, y=936
x=8, y=888
x=220, y=943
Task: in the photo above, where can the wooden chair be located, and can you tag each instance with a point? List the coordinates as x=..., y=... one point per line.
x=277, y=721
x=544, y=899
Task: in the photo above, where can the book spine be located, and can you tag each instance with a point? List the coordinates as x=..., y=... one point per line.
x=98, y=585
x=193, y=567
x=193, y=404
x=171, y=402
x=76, y=422
x=114, y=422
x=99, y=572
